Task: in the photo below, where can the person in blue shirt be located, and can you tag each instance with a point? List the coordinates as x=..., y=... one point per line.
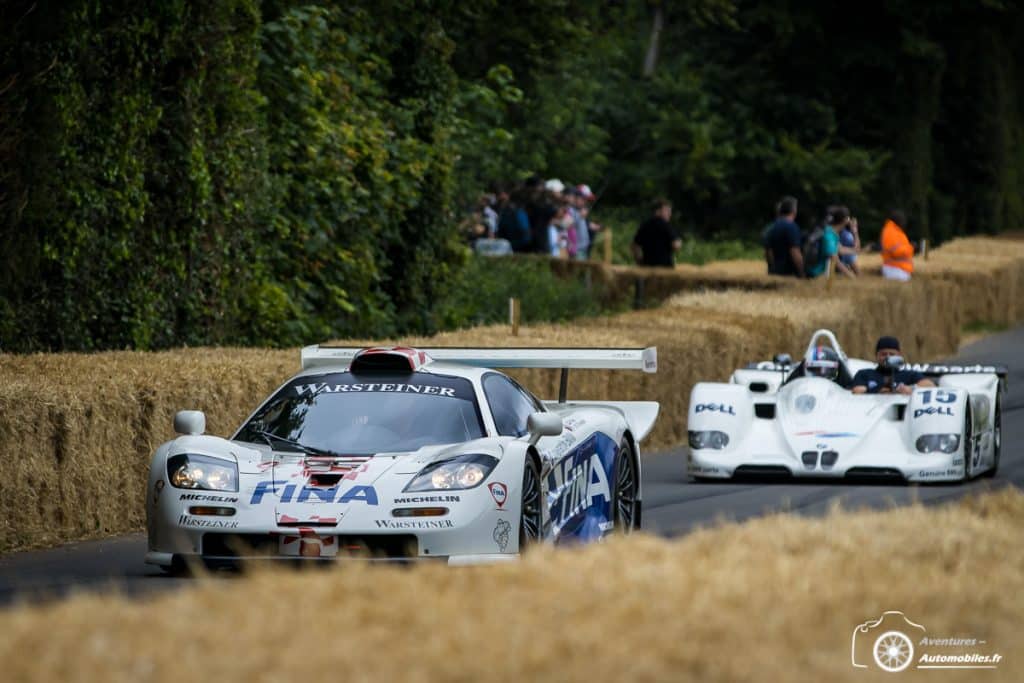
x=838, y=217
x=782, y=242
x=881, y=380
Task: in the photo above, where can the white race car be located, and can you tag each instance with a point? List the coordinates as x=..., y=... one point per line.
x=401, y=453
x=774, y=419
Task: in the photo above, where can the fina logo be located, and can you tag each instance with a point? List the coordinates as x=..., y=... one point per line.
x=715, y=408
x=499, y=492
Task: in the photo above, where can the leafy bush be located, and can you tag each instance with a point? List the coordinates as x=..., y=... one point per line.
x=481, y=293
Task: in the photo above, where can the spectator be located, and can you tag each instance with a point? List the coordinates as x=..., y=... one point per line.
x=488, y=214
x=849, y=245
x=828, y=244
x=783, y=241
x=593, y=227
x=541, y=209
x=655, y=241
x=558, y=233
x=514, y=222
x=580, y=228
x=897, y=251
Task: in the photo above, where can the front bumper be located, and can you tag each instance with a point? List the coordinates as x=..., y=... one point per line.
x=918, y=468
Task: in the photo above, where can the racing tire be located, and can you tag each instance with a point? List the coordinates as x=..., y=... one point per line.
x=530, y=510
x=178, y=567
x=625, y=506
x=997, y=440
x=968, y=446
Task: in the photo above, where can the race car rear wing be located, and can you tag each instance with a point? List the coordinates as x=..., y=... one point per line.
x=926, y=369
x=937, y=370
x=563, y=359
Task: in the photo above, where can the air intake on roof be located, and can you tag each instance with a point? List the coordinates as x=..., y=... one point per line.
x=391, y=359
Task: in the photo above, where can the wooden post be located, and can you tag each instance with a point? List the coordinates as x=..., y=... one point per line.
x=608, y=246
x=924, y=248
x=513, y=315
x=828, y=274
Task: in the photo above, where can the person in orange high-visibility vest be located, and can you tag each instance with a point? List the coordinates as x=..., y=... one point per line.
x=897, y=251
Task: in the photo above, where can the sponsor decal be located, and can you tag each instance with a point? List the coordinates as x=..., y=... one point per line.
x=565, y=443
x=157, y=488
x=414, y=523
x=318, y=494
x=501, y=534
x=428, y=499
x=207, y=498
x=694, y=469
x=715, y=408
x=953, y=369
x=325, y=388
x=958, y=462
x=894, y=643
x=933, y=411
x=925, y=474
x=575, y=484
x=202, y=523
x=499, y=492
x=573, y=423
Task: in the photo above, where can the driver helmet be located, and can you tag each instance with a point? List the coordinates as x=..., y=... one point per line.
x=822, y=362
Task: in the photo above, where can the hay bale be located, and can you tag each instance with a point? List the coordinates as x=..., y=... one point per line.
x=775, y=599
x=85, y=424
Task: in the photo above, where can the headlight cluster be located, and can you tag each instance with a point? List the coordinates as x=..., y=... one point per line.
x=462, y=472
x=191, y=471
x=942, y=443
x=712, y=439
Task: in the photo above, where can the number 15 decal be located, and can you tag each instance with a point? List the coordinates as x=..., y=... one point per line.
x=941, y=396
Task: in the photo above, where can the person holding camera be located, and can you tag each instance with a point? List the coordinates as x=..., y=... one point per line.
x=887, y=378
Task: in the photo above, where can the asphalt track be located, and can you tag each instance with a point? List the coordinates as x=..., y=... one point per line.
x=672, y=504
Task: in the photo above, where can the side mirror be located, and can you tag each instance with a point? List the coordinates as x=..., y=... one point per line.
x=189, y=422
x=543, y=424
x=783, y=359
x=894, y=362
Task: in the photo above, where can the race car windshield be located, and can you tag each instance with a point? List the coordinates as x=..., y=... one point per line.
x=366, y=414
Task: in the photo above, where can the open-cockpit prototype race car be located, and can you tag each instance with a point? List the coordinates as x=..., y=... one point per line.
x=777, y=418
x=401, y=453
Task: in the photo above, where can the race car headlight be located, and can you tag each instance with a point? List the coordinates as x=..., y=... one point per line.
x=463, y=472
x=191, y=471
x=938, y=443
x=712, y=439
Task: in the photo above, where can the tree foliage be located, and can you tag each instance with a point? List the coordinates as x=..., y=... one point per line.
x=283, y=171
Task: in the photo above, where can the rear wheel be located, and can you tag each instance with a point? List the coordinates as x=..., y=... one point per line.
x=530, y=510
x=997, y=439
x=626, y=507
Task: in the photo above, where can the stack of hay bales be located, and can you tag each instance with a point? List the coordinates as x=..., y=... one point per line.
x=774, y=599
x=78, y=429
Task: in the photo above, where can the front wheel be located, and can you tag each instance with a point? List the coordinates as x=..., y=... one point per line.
x=626, y=507
x=530, y=510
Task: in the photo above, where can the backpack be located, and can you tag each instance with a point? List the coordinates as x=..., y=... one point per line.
x=812, y=247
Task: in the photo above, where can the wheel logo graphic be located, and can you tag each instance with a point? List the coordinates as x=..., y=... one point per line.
x=893, y=651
